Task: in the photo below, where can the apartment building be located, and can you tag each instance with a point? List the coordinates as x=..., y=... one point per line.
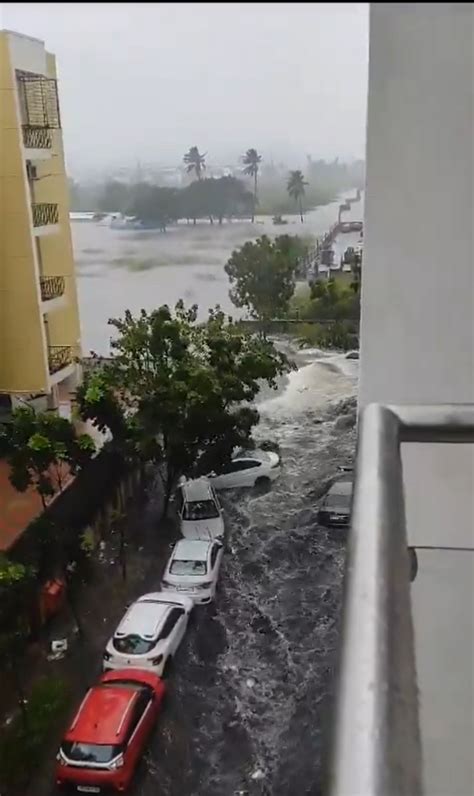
x=39, y=317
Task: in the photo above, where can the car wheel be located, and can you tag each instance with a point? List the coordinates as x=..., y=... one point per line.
x=168, y=667
x=263, y=482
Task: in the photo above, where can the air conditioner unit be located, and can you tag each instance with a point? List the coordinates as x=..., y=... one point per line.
x=31, y=171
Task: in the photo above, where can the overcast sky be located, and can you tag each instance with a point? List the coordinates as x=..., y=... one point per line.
x=149, y=80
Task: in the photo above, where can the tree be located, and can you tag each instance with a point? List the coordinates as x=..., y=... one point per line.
x=195, y=161
x=155, y=205
x=42, y=449
x=262, y=276
x=251, y=161
x=114, y=198
x=16, y=589
x=187, y=387
x=296, y=189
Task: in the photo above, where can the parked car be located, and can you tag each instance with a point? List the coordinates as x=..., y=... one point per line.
x=199, y=510
x=106, y=738
x=149, y=633
x=193, y=569
x=336, y=506
x=247, y=468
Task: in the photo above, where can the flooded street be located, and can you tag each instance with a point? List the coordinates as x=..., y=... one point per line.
x=249, y=692
x=119, y=270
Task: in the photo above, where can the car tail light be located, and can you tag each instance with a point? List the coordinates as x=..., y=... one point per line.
x=61, y=759
x=205, y=585
x=107, y=656
x=167, y=585
x=155, y=661
x=117, y=763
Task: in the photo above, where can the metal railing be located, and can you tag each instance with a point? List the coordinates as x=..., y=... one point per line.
x=37, y=137
x=59, y=357
x=44, y=214
x=38, y=96
x=52, y=287
x=376, y=747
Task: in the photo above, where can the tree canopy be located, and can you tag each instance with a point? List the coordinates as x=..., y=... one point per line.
x=186, y=387
x=195, y=161
x=41, y=449
x=296, y=189
x=262, y=276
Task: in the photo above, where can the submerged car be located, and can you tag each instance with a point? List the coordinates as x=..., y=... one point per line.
x=336, y=506
x=106, y=738
x=247, y=468
x=149, y=633
x=193, y=569
x=200, y=513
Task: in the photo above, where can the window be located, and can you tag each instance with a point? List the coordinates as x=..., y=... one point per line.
x=244, y=464
x=188, y=567
x=91, y=752
x=133, y=644
x=214, y=553
x=171, y=619
x=201, y=510
x=139, y=708
x=179, y=501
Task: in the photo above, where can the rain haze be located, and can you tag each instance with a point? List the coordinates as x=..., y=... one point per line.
x=146, y=81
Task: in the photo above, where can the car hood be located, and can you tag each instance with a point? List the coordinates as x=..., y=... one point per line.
x=202, y=529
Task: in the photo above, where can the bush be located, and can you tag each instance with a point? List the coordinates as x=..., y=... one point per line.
x=338, y=336
x=23, y=743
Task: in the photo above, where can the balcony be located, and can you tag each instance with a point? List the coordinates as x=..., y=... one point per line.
x=37, y=138
x=45, y=218
x=52, y=287
x=59, y=357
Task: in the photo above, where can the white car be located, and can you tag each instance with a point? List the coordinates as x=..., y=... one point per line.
x=200, y=513
x=149, y=633
x=193, y=569
x=247, y=468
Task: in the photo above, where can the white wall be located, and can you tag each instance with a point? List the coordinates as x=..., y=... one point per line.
x=417, y=326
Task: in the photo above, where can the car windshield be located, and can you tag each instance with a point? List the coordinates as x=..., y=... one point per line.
x=90, y=752
x=200, y=510
x=338, y=501
x=133, y=644
x=188, y=567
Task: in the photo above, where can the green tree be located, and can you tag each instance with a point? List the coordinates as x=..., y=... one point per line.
x=114, y=198
x=186, y=387
x=252, y=161
x=296, y=189
x=195, y=161
x=41, y=449
x=262, y=276
x=16, y=588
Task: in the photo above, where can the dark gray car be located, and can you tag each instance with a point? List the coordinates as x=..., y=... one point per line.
x=336, y=506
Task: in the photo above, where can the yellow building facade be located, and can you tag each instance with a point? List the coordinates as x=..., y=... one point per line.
x=39, y=316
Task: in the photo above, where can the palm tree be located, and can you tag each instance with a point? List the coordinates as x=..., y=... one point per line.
x=295, y=187
x=251, y=161
x=195, y=161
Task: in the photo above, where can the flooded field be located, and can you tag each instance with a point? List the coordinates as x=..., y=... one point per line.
x=119, y=270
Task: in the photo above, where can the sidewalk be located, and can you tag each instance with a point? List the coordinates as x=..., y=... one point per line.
x=102, y=602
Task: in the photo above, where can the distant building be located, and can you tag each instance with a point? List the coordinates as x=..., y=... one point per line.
x=39, y=317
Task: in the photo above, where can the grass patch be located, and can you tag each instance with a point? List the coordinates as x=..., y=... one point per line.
x=22, y=747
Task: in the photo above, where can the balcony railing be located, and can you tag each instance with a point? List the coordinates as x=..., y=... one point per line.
x=376, y=741
x=59, y=357
x=44, y=214
x=51, y=287
x=38, y=97
x=37, y=137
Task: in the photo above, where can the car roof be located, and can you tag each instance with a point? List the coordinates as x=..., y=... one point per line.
x=198, y=489
x=144, y=618
x=342, y=486
x=191, y=550
x=103, y=715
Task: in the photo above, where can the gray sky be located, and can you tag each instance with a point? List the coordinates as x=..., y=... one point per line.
x=149, y=80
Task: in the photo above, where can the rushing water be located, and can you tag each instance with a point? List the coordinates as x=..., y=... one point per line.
x=249, y=691
x=119, y=270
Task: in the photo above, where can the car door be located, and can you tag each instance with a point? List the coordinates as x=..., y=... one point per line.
x=248, y=471
x=139, y=727
x=174, y=628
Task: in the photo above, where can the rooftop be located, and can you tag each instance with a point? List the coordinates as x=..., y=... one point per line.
x=191, y=550
x=100, y=718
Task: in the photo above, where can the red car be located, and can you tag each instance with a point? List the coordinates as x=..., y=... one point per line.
x=105, y=740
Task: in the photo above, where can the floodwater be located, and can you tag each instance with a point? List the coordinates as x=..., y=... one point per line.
x=119, y=270
x=251, y=686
